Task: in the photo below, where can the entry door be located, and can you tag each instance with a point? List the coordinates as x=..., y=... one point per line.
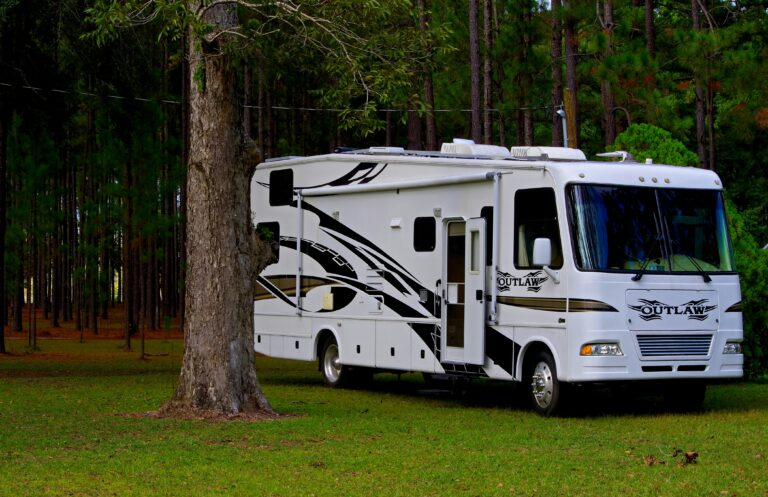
x=463, y=322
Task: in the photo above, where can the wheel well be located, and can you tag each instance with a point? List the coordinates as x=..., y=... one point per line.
x=322, y=337
x=533, y=349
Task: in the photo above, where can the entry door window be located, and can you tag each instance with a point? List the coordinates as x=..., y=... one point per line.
x=456, y=259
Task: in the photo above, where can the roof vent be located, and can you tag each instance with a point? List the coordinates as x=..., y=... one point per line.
x=386, y=150
x=462, y=146
x=551, y=153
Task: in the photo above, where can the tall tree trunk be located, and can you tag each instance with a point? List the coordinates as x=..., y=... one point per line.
x=502, y=125
x=556, y=55
x=650, y=28
x=217, y=373
x=525, y=77
x=414, y=126
x=4, y=125
x=572, y=82
x=429, y=91
x=487, y=72
x=606, y=92
x=701, y=145
x=474, y=71
x=711, y=125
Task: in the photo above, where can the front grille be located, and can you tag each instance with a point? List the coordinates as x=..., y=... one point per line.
x=674, y=345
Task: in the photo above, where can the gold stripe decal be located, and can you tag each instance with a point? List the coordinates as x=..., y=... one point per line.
x=536, y=303
x=557, y=304
x=734, y=308
x=585, y=305
x=287, y=285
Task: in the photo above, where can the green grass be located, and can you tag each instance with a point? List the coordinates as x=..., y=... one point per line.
x=65, y=430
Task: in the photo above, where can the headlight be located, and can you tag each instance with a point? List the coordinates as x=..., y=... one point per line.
x=601, y=349
x=732, y=348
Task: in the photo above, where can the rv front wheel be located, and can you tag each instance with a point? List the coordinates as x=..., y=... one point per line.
x=544, y=388
x=330, y=364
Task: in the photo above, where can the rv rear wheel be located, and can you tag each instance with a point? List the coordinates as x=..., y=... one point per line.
x=333, y=371
x=545, y=389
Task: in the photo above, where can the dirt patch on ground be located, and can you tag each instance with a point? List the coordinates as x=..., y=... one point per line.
x=209, y=416
x=113, y=327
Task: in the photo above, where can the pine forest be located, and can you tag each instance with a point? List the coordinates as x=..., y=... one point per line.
x=94, y=120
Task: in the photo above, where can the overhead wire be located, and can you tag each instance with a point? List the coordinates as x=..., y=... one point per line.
x=274, y=107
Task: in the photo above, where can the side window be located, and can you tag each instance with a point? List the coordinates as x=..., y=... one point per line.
x=424, y=234
x=536, y=217
x=271, y=232
x=281, y=187
x=487, y=213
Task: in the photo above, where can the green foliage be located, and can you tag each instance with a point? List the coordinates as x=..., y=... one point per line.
x=647, y=141
x=752, y=264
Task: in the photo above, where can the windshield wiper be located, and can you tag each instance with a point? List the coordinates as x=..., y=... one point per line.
x=647, y=259
x=705, y=276
x=701, y=271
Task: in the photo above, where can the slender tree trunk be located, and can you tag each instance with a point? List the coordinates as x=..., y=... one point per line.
x=414, y=126
x=19, y=303
x=701, y=147
x=650, y=28
x=502, y=125
x=127, y=236
x=711, y=125
x=556, y=55
x=525, y=77
x=572, y=82
x=606, y=92
x=487, y=72
x=5, y=120
x=217, y=373
x=474, y=71
x=429, y=92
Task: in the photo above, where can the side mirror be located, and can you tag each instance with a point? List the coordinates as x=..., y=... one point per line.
x=542, y=252
x=542, y=257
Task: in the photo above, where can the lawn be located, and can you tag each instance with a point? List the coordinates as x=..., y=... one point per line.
x=71, y=424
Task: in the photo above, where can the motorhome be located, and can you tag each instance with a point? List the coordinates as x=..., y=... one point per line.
x=530, y=264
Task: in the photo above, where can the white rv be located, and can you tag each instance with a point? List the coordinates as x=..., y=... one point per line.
x=531, y=265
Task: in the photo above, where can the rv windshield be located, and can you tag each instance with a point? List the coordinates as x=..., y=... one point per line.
x=624, y=228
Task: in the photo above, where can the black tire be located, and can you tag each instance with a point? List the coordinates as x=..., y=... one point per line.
x=547, y=393
x=685, y=396
x=334, y=373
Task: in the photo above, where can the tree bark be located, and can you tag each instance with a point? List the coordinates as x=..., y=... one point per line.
x=414, y=126
x=606, y=92
x=429, y=91
x=474, y=71
x=217, y=375
x=572, y=82
x=701, y=146
x=487, y=73
x=556, y=55
x=650, y=29
x=4, y=123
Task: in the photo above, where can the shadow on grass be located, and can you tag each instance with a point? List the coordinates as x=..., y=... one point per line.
x=633, y=399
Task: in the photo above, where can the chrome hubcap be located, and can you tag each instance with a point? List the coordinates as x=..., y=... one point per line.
x=331, y=363
x=542, y=384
